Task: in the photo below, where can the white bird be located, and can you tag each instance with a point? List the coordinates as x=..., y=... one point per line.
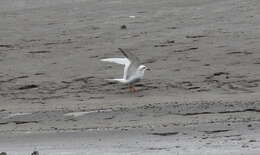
x=133, y=70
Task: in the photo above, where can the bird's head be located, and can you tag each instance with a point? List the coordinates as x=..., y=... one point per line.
x=142, y=68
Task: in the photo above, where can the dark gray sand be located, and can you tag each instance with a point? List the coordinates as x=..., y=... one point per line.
x=201, y=98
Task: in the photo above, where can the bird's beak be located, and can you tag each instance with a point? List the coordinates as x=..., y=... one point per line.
x=149, y=69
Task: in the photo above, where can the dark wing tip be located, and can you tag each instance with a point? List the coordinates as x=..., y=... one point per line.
x=123, y=52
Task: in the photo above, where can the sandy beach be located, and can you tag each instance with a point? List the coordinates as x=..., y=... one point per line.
x=202, y=96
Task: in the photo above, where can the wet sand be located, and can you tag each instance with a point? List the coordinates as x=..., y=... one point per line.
x=202, y=96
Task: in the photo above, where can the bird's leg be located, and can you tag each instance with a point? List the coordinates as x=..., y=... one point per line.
x=132, y=88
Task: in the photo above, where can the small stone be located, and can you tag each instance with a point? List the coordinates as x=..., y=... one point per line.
x=123, y=27
x=244, y=146
x=3, y=153
x=249, y=125
x=132, y=17
x=173, y=27
x=35, y=153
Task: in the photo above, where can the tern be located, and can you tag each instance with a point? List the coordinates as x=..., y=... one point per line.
x=133, y=70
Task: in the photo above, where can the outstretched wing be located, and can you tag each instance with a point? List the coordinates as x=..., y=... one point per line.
x=134, y=63
x=121, y=61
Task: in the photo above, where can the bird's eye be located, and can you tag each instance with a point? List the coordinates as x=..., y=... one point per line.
x=143, y=68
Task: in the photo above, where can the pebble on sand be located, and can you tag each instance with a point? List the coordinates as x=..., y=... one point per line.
x=123, y=27
x=35, y=153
